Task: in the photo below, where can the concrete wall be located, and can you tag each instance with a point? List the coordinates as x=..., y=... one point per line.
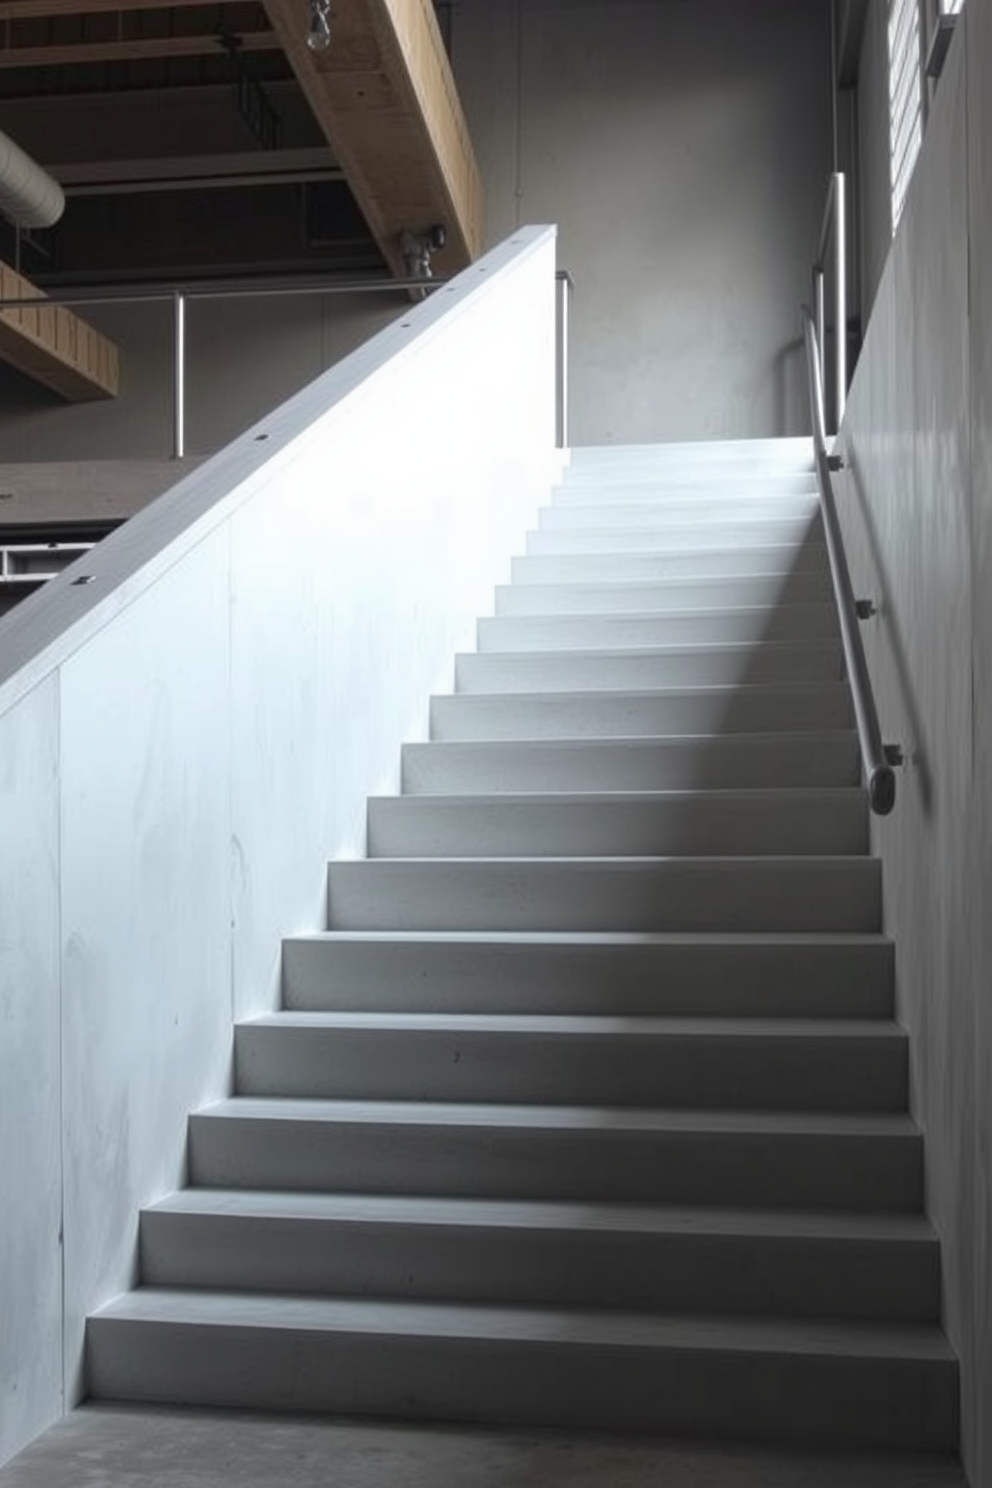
x=683, y=148
x=185, y=742
x=917, y=510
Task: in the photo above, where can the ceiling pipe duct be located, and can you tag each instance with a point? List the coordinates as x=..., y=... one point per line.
x=29, y=196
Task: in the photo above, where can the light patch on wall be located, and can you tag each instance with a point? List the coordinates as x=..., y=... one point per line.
x=905, y=99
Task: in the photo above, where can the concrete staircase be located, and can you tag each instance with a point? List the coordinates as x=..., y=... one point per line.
x=590, y=1109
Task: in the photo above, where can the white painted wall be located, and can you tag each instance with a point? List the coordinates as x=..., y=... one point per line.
x=683, y=148
x=186, y=741
x=916, y=507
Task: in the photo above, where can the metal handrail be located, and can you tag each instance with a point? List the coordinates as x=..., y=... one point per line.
x=877, y=758
x=835, y=225
x=178, y=296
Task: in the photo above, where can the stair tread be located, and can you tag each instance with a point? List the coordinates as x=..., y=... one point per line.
x=713, y=862
x=561, y=1118
x=638, y=741
x=578, y=1026
x=742, y=612
x=717, y=795
x=727, y=938
x=521, y=1214
x=606, y=653
x=557, y=1327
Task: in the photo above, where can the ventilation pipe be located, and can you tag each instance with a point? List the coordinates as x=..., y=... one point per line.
x=29, y=196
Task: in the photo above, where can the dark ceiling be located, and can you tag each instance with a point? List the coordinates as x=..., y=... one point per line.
x=183, y=141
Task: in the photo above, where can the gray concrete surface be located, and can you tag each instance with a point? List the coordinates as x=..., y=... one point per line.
x=121, y=1447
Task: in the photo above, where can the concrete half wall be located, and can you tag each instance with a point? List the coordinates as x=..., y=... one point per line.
x=188, y=738
x=916, y=506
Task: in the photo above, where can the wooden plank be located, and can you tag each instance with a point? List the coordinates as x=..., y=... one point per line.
x=139, y=49
x=384, y=95
x=52, y=345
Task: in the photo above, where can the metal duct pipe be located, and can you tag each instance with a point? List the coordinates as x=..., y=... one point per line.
x=29, y=196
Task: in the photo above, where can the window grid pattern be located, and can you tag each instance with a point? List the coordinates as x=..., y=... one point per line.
x=905, y=98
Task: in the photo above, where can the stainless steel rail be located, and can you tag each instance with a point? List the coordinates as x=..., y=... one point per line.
x=179, y=296
x=834, y=225
x=564, y=284
x=876, y=757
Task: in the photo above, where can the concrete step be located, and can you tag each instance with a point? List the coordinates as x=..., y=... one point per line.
x=702, y=562
x=790, y=1381
x=728, y=627
x=701, y=510
x=647, y=486
x=877, y=1268
x=666, y=596
x=734, y=761
x=685, y=1063
x=689, y=535
x=864, y=1163
x=784, y=708
x=620, y=824
x=703, y=459
x=638, y=668
x=650, y=894
x=735, y=976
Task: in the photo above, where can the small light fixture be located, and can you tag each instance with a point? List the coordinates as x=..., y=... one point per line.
x=319, y=30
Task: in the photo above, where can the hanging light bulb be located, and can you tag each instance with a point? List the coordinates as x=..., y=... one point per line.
x=319, y=30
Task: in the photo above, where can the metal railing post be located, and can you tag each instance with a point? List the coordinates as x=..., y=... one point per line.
x=820, y=302
x=563, y=293
x=840, y=242
x=179, y=376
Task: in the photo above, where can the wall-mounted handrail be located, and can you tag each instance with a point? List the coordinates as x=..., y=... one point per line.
x=178, y=297
x=875, y=757
x=835, y=228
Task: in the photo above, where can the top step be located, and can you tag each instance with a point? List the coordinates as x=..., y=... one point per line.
x=743, y=455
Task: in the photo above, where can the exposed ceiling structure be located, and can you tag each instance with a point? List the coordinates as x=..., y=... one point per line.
x=196, y=140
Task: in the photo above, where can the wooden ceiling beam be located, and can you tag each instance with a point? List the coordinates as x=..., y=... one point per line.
x=384, y=95
x=52, y=345
x=138, y=49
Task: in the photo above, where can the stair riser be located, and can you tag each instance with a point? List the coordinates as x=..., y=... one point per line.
x=615, y=510
x=613, y=632
x=760, y=1072
x=658, y=538
x=788, y=709
x=723, y=895
x=794, y=1170
x=644, y=486
x=830, y=823
x=580, y=671
x=697, y=978
x=703, y=458
x=667, y=596
x=573, y=1386
x=806, y=761
x=704, y=1272
x=657, y=567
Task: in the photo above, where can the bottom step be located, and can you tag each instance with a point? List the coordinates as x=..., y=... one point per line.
x=691, y=1376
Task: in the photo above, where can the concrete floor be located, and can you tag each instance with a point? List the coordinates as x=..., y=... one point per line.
x=131, y=1447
